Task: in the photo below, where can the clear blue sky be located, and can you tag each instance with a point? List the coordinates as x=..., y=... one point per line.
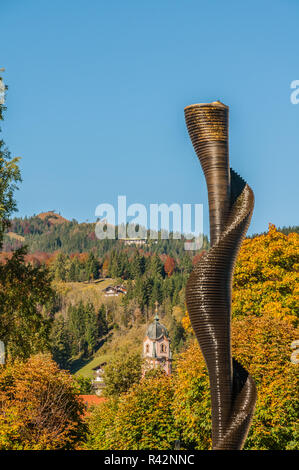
x=97, y=90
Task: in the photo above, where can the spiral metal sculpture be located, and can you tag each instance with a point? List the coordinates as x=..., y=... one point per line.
x=208, y=290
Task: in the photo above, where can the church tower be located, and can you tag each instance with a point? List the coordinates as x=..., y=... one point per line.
x=156, y=346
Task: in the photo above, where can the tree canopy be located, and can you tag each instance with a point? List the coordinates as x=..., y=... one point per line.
x=266, y=277
x=39, y=407
x=9, y=178
x=121, y=373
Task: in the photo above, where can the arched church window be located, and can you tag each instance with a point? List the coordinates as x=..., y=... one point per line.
x=163, y=348
x=147, y=348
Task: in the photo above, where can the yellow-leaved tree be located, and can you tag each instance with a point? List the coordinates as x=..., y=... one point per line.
x=266, y=278
x=39, y=406
x=265, y=314
x=262, y=346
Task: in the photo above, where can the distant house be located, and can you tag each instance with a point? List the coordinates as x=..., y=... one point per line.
x=114, y=291
x=134, y=241
x=121, y=289
x=98, y=380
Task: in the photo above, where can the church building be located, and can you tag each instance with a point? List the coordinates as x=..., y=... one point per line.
x=156, y=346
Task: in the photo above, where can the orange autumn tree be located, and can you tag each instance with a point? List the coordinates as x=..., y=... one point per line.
x=169, y=266
x=262, y=345
x=105, y=267
x=266, y=277
x=39, y=407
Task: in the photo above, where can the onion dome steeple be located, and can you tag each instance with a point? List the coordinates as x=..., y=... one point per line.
x=156, y=346
x=156, y=330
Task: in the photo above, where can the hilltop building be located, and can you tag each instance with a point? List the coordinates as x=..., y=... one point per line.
x=134, y=241
x=156, y=346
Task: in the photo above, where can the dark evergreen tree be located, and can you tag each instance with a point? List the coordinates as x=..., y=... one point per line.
x=59, y=267
x=91, y=329
x=76, y=326
x=60, y=343
x=102, y=321
x=92, y=267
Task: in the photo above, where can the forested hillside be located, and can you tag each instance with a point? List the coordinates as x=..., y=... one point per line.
x=80, y=267
x=49, y=232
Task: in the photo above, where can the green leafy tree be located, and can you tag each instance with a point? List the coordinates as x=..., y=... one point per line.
x=9, y=177
x=140, y=419
x=101, y=425
x=24, y=290
x=121, y=373
x=83, y=385
x=25, y=293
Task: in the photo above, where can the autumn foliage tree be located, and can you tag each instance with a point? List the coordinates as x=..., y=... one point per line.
x=262, y=346
x=101, y=426
x=169, y=265
x=192, y=404
x=39, y=408
x=141, y=419
x=105, y=267
x=121, y=373
x=266, y=277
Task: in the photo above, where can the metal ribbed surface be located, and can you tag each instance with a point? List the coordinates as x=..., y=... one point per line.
x=208, y=290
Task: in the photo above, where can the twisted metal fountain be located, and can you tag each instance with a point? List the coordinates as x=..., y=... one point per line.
x=208, y=290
